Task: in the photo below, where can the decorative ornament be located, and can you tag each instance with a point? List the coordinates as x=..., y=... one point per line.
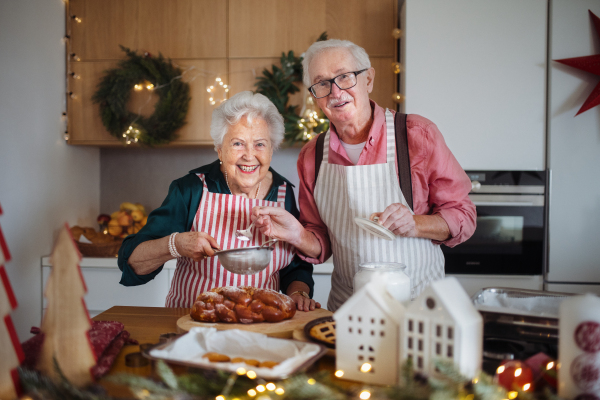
x=11, y=353
x=398, y=98
x=397, y=33
x=589, y=64
x=515, y=375
x=219, y=91
x=66, y=321
x=154, y=74
x=310, y=122
x=278, y=85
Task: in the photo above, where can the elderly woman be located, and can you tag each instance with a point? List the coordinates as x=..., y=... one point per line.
x=203, y=210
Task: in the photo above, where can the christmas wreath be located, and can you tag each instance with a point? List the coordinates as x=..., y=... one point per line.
x=155, y=73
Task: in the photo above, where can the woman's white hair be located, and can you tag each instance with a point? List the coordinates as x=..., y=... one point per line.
x=251, y=105
x=360, y=55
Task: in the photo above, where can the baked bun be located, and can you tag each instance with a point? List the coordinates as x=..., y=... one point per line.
x=244, y=304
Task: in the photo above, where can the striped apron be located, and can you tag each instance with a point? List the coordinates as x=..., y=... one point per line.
x=220, y=215
x=345, y=192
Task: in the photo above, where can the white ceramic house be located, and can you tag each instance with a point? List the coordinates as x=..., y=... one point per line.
x=442, y=323
x=367, y=332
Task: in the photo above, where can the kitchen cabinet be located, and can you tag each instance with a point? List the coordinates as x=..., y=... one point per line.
x=477, y=69
x=102, y=276
x=234, y=39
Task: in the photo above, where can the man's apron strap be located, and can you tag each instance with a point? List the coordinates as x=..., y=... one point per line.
x=402, y=157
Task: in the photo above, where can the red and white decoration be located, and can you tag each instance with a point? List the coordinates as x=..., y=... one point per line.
x=589, y=64
x=66, y=322
x=11, y=354
x=579, y=347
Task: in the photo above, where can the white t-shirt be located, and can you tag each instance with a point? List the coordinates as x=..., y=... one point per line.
x=353, y=150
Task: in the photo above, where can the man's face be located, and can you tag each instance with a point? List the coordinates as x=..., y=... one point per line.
x=342, y=106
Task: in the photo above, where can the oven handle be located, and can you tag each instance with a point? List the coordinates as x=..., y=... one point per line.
x=504, y=203
x=506, y=200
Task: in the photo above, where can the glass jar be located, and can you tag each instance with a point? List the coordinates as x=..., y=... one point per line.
x=389, y=274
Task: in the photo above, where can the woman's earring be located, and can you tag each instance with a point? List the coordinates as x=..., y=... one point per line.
x=220, y=162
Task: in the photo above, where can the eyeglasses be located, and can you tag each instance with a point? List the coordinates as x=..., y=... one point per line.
x=344, y=81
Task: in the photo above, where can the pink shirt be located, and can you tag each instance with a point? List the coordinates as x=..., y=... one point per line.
x=440, y=186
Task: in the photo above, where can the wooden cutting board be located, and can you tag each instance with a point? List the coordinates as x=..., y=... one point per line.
x=283, y=329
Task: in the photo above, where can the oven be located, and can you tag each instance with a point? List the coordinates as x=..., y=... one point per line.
x=510, y=233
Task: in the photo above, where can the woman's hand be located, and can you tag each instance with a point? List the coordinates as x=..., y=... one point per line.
x=196, y=245
x=276, y=222
x=398, y=219
x=304, y=304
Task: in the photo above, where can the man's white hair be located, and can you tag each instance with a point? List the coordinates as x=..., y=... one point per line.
x=251, y=105
x=361, y=57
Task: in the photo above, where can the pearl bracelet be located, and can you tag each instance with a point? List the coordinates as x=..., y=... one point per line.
x=172, y=247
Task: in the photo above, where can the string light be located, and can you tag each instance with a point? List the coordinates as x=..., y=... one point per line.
x=526, y=386
x=311, y=381
x=261, y=388
x=398, y=98
x=75, y=57
x=518, y=371
x=137, y=87
x=251, y=374
x=241, y=371
x=339, y=373
x=73, y=95
x=500, y=369
x=220, y=397
x=279, y=391
x=149, y=86
x=75, y=76
x=397, y=33
x=271, y=386
x=220, y=87
x=365, y=394
x=252, y=393
x=512, y=395
x=550, y=365
x=76, y=18
x=66, y=136
x=132, y=134
x=310, y=120
x=397, y=67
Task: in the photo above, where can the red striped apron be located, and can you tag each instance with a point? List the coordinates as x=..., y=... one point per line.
x=220, y=215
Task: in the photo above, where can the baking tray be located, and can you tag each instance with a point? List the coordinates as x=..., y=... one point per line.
x=520, y=314
x=227, y=366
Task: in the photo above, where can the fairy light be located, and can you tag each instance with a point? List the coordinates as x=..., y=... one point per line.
x=241, y=371
x=137, y=87
x=526, y=386
x=252, y=393
x=311, y=381
x=220, y=397
x=512, y=395
x=75, y=57
x=397, y=67
x=366, y=367
x=398, y=97
x=217, y=91
x=75, y=76
x=279, y=391
x=365, y=394
x=261, y=388
x=500, y=369
x=397, y=33
x=73, y=95
x=251, y=374
x=271, y=386
x=339, y=373
x=132, y=135
x=149, y=86
x=518, y=372
x=550, y=365
x=76, y=18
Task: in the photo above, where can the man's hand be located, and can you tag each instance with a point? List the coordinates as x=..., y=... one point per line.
x=276, y=222
x=196, y=245
x=304, y=304
x=398, y=219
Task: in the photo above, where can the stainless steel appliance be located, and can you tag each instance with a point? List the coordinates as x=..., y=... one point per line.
x=509, y=238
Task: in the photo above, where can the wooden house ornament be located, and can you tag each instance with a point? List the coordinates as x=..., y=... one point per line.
x=367, y=329
x=442, y=323
x=67, y=321
x=11, y=353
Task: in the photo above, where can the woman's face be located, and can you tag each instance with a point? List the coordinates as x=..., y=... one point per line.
x=246, y=154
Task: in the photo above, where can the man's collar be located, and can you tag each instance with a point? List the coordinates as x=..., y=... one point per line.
x=374, y=131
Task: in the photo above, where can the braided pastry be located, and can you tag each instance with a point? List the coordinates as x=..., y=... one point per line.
x=244, y=304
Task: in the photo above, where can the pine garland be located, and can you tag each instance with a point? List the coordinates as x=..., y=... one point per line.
x=281, y=82
x=114, y=90
x=209, y=385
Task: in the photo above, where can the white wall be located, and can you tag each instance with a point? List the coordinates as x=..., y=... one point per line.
x=476, y=68
x=43, y=182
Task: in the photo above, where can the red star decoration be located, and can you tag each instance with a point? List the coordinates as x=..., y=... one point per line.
x=588, y=64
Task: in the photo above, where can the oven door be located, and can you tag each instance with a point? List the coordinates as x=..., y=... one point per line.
x=508, y=240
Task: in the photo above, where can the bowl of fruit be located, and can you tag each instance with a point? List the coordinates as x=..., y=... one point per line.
x=112, y=229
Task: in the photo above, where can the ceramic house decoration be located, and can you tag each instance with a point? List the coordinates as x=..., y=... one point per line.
x=367, y=328
x=442, y=323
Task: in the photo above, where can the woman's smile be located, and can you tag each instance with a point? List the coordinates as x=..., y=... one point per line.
x=248, y=169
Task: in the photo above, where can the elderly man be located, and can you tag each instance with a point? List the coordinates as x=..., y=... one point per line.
x=353, y=171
